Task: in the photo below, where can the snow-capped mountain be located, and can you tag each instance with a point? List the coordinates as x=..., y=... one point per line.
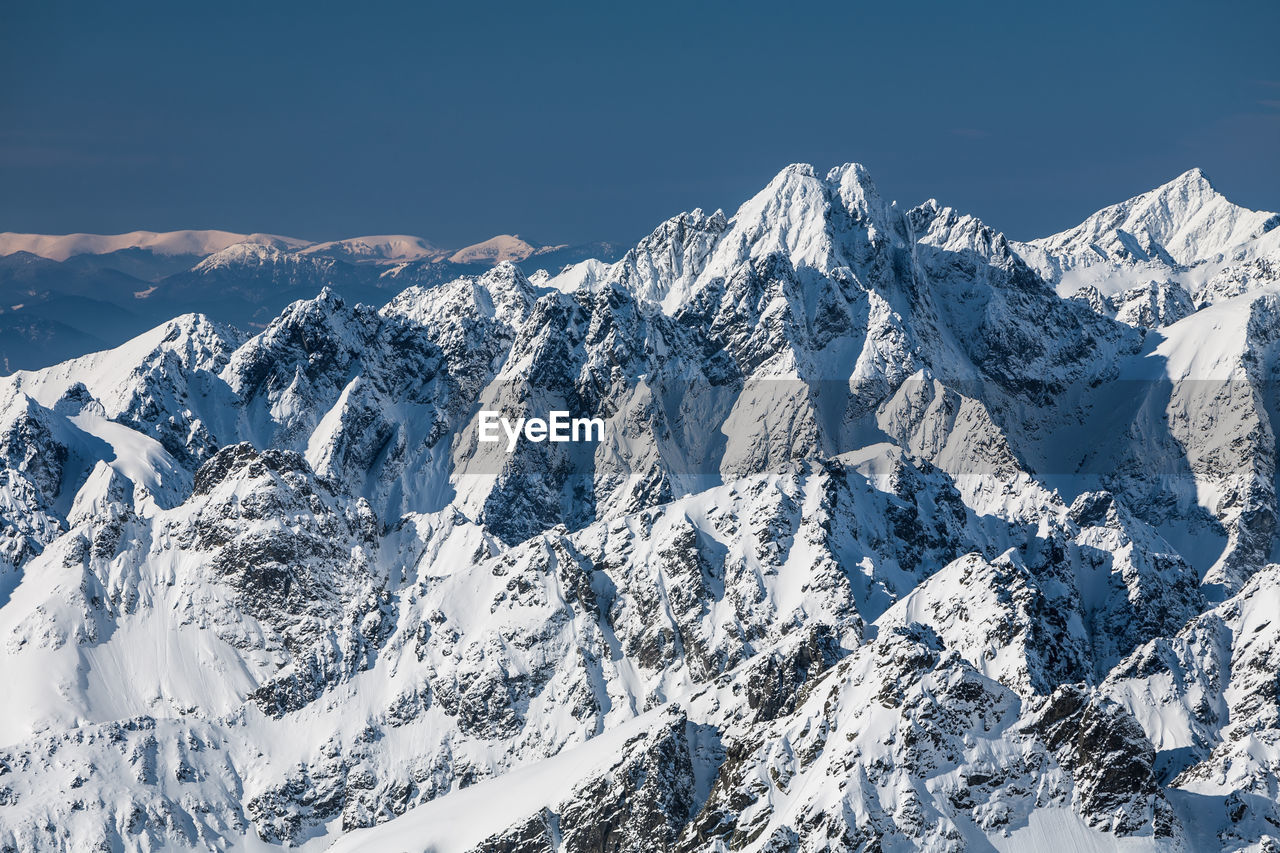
x=504, y=247
x=64, y=296
x=1181, y=222
x=379, y=249
x=63, y=246
x=888, y=544
x=1152, y=260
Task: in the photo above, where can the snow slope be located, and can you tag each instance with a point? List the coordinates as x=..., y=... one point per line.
x=380, y=248
x=495, y=250
x=60, y=247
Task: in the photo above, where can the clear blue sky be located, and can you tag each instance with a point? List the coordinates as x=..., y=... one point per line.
x=571, y=122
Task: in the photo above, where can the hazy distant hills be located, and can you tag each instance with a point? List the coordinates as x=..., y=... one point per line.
x=65, y=295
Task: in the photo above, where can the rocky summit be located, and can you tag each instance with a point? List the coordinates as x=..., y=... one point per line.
x=900, y=536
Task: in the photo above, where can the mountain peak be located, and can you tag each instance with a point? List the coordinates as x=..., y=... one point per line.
x=1190, y=189
x=802, y=214
x=1181, y=222
x=503, y=247
x=242, y=254
x=851, y=173
x=859, y=195
x=380, y=248
x=803, y=170
x=1193, y=176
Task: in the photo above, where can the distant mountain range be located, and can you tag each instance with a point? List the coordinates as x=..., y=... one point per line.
x=66, y=295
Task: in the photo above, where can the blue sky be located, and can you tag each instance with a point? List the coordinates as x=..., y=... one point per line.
x=568, y=122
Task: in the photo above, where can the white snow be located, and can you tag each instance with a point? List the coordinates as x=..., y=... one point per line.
x=142, y=460
x=495, y=250
x=1061, y=829
x=914, y=546
x=459, y=821
x=1181, y=222
x=388, y=248
x=59, y=247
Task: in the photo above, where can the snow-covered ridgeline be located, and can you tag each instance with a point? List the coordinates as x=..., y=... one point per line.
x=887, y=543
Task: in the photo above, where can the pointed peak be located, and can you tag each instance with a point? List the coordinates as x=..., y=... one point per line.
x=505, y=273
x=795, y=187
x=860, y=196
x=803, y=170
x=851, y=173
x=847, y=175
x=851, y=181
x=798, y=179
x=328, y=294
x=196, y=329
x=1193, y=186
x=804, y=215
x=327, y=307
x=1194, y=176
x=1183, y=222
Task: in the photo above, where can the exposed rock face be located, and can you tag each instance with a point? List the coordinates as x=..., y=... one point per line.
x=1110, y=760
x=30, y=482
x=886, y=545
